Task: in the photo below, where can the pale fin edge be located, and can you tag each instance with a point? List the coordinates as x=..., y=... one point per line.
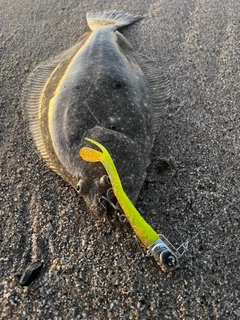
x=112, y=19
x=31, y=103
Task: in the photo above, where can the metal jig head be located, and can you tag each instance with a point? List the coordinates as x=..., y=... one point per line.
x=166, y=254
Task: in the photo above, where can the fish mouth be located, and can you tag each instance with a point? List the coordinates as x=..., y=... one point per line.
x=104, y=204
x=98, y=208
x=111, y=205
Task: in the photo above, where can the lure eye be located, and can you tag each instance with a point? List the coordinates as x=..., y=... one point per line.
x=105, y=181
x=168, y=259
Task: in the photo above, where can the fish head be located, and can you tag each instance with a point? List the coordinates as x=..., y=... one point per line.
x=130, y=160
x=94, y=186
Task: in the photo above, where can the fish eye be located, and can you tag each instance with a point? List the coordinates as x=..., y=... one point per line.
x=105, y=181
x=79, y=186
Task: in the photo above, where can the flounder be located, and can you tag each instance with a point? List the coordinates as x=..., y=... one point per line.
x=102, y=89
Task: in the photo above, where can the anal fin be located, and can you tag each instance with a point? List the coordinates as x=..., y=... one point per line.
x=159, y=87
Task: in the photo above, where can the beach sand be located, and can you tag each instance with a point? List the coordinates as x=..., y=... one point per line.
x=95, y=270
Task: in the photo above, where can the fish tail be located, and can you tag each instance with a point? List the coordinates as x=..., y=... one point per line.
x=112, y=19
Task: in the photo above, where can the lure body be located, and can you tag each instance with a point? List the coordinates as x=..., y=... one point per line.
x=167, y=259
x=103, y=89
x=144, y=232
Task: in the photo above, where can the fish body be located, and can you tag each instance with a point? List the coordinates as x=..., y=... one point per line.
x=100, y=88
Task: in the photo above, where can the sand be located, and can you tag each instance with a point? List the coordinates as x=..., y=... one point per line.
x=95, y=270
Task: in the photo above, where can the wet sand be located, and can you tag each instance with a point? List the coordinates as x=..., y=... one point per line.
x=95, y=270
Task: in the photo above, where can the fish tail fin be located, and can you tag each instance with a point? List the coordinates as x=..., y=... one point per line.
x=112, y=19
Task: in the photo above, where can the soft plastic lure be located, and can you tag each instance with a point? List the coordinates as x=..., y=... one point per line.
x=166, y=257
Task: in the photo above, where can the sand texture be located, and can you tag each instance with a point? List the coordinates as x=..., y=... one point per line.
x=95, y=270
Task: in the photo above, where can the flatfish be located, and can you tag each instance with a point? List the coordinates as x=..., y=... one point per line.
x=104, y=90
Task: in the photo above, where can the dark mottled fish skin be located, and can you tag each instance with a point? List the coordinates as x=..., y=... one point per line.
x=101, y=89
x=31, y=272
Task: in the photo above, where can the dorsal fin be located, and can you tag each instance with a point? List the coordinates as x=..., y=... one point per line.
x=159, y=86
x=32, y=96
x=158, y=82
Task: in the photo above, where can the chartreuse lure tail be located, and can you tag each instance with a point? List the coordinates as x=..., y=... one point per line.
x=167, y=259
